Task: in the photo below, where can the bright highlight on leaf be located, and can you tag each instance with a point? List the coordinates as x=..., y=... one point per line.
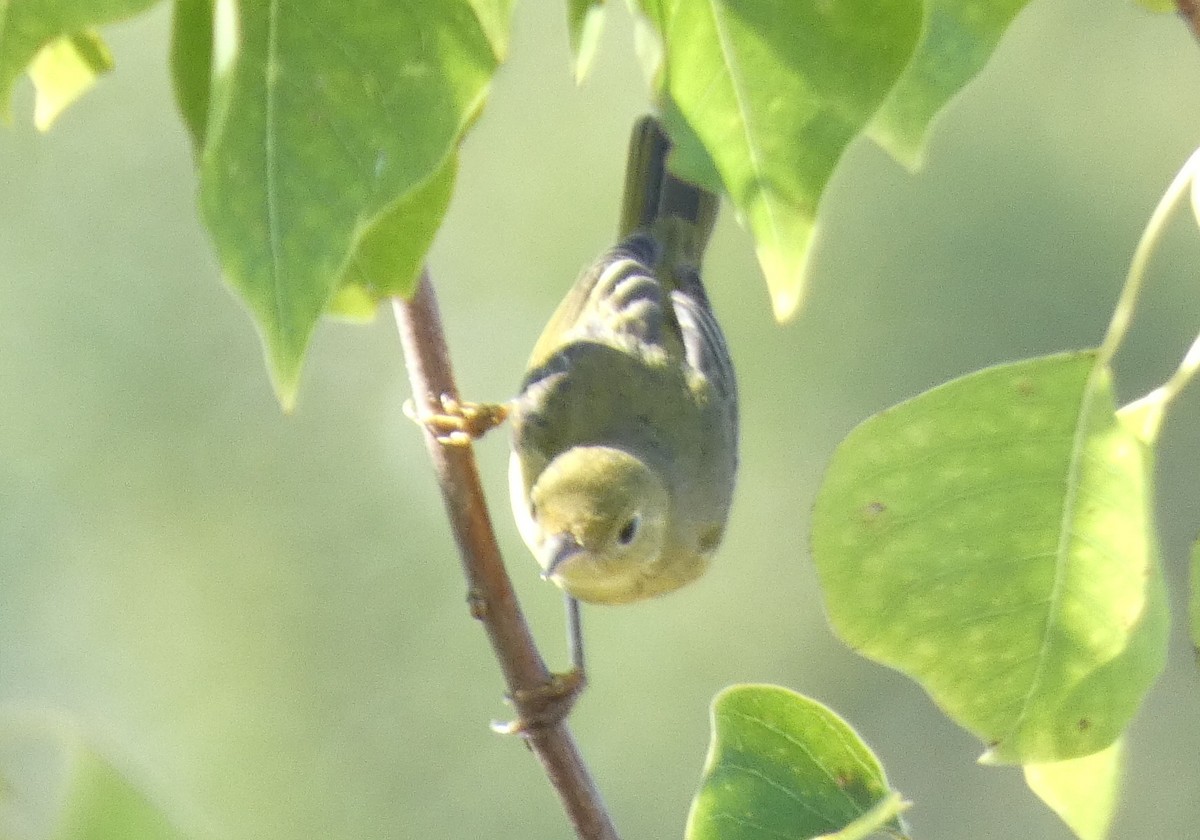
x=783, y=766
x=957, y=39
x=324, y=148
x=585, y=22
x=64, y=70
x=993, y=539
x=1082, y=791
x=29, y=26
x=775, y=92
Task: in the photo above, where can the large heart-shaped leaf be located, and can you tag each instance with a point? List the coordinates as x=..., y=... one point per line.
x=993, y=539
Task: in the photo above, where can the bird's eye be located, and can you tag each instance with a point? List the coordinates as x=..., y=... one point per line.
x=629, y=530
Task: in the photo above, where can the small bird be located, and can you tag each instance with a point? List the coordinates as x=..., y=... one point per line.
x=625, y=430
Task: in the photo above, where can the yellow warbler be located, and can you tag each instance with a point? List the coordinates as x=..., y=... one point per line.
x=625, y=430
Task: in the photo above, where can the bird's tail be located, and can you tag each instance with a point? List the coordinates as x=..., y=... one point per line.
x=680, y=214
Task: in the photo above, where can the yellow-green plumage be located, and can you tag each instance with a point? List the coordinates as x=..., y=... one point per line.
x=625, y=431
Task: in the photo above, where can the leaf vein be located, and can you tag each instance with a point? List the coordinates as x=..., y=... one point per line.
x=800, y=745
x=272, y=74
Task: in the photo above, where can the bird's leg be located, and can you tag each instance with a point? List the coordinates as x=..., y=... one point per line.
x=552, y=701
x=458, y=423
x=575, y=634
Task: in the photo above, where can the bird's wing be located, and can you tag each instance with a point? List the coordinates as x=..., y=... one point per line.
x=619, y=301
x=705, y=350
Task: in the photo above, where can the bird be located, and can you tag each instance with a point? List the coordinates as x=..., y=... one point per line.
x=625, y=428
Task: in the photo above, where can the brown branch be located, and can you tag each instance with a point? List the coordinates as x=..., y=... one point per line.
x=1189, y=10
x=489, y=590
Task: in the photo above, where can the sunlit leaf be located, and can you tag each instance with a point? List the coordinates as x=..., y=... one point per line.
x=64, y=70
x=957, y=40
x=783, y=766
x=1159, y=5
x=319, y=123
x=879, y=818
x=775, y=92
x=191, y=63
x=28, y=26
x=494, y=17
x=1082, y=791
x=993, y=539
x=585, y=22
x=389, y=255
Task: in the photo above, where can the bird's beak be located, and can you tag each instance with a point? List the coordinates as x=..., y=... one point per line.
x=560, y=548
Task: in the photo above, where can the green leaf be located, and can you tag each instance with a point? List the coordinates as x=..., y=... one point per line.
x=191, y=64
x=957, y=40
x=880, y=817
x=783, y=766
x=1159, y=5
x=494, y=18
x=64, y=70
x=1082, y=791
x=775, y=92
x=993, y=539
x=585, y=22
x=28, y=26
x=54, y=784
x=389, y=256
x=319, y=123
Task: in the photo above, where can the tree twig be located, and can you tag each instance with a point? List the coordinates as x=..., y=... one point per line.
x=489, y=590
x=1189, y=10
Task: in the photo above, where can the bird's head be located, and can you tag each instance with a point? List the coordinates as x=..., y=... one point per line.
x=602, y=517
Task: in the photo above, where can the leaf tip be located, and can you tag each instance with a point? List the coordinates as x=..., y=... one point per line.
x=786, y=273
x=283, y=365
x=586, y=24
x=285, y=393
x=990, y=756
x=63, y=71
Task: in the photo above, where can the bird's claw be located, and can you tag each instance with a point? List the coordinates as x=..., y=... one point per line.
x=544, y=706
x=457, y=423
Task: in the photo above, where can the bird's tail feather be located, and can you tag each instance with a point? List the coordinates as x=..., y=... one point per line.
x=677, y=211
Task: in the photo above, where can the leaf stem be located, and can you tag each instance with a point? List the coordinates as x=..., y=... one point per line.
x=1123, y=313
x=1145, y=415
x=490, y=592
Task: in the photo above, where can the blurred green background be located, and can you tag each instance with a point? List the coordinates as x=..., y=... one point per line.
x=260, y=618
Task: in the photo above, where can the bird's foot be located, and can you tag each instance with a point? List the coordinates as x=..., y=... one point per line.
x=457, y=423
x=544, y=706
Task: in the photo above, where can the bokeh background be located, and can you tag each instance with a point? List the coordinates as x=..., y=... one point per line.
x=260, y=618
